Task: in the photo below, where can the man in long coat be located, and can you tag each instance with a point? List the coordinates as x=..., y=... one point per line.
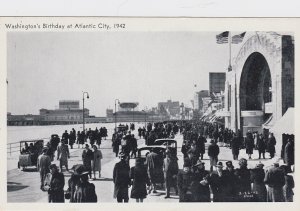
x=235, y=147
x=289, y=153
x=170, y=173
x=185, y=180
x=43, y=164
x=249, y=144
x=243, y=177
x=271, y=145
x=201, y=144
x=57, y=183
x=63, y=155
x=275, y=180
x=200, y=186
x=121, y=179
x=213, y=152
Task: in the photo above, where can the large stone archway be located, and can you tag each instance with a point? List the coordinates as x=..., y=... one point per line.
x=254, y=82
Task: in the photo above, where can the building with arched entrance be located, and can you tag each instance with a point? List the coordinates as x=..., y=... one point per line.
x=260, y=87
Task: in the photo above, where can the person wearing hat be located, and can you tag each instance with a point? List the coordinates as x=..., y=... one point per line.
x=85, y=191
x=219, y=184
x=213, y=152
x=74, y=181
x=271, y=142
x=170, y=172
x=249, y=144
x=231, y=180
x=43, y=163
x=200, y=187
x=63, y=155
x=275, y=180
x=243, y=177
x=87, y=157
x=185, y=178
x=201, y=145
x=121, y=179
x=154, y=162
x=139, y=177
x=257, y=176
x=57, y=183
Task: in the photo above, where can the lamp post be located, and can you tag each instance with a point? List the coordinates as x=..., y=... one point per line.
x=87, y=96
x=116, y=112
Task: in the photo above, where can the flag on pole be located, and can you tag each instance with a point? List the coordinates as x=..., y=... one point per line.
x=236, y=39
x=222, y=38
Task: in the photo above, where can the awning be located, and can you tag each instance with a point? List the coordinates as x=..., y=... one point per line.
x=269, y=123
x=286, y=124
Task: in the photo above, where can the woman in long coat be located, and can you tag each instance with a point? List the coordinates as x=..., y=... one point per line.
x=97, y=161
x=140, y=179
x=57, y=183
x=289, y=153
x=87, y=157
x=63, y=154
x=257, y=178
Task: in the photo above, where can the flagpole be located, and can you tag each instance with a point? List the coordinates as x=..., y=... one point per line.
x=229, y=41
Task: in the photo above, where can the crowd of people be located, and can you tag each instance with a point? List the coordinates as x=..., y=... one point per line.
x=159, y=169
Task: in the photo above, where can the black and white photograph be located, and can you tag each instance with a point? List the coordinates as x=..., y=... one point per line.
x=99, y=111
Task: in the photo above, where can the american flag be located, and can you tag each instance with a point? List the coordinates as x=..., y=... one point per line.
x=223, y=37
x=236, y=39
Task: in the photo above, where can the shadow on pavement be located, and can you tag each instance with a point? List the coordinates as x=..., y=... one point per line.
x=15, y=186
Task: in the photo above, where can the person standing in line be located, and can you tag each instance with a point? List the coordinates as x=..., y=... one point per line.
x=57, y=183
x=275, y=180
x=271, y=145
x=63, y=155
x=65, y=136
x=231, y=181
x=257, y=178
x=235, y=146
x=213, y=152
x=249, y=144
x=97, y=161
x=43, y=163
x=170, y=172
x=121, y=179
x=140, y=179
x=87, y=157
x=261, y=146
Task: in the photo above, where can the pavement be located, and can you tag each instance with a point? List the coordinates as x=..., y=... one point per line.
x=24, y=186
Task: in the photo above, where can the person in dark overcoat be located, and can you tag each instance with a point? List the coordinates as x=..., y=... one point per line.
x=235, y=146
x=261, y=146
x=288, y=192
x=154, y=162
x=275, y=180
x=200, y=186
x=243, y=177
x=249, y=144
x=213, y=152
x=257, y=178
x=201, y=145
x=289, y=153
x=121, y=179
x=87, y=157
x=139, y=177
x=271, y=145
x=185, y=178
x=170, y=172
x=231, y=181
x=219, y=184
x=57, y=183
x=85, y=191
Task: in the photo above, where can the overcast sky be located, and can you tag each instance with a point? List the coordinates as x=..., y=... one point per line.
x=144, y=67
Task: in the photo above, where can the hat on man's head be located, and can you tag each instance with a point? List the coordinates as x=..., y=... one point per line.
x=53, y=166
x=87, y=146
x=242, y=161
x=220, y=164
x=259, y=165
x=122, y=155
x=187, y=163
x=229, y=164
x=79, y=169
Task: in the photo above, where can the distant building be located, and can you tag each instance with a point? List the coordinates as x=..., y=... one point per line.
x=68, y=104
x=73, y=116
x=109, y=113
x=171, y=107
x=198, y=102
x=217, y=82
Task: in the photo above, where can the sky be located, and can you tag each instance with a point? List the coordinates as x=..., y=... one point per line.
x=143, y=67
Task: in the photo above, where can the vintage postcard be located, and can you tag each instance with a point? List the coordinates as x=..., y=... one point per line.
x=160, y=111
